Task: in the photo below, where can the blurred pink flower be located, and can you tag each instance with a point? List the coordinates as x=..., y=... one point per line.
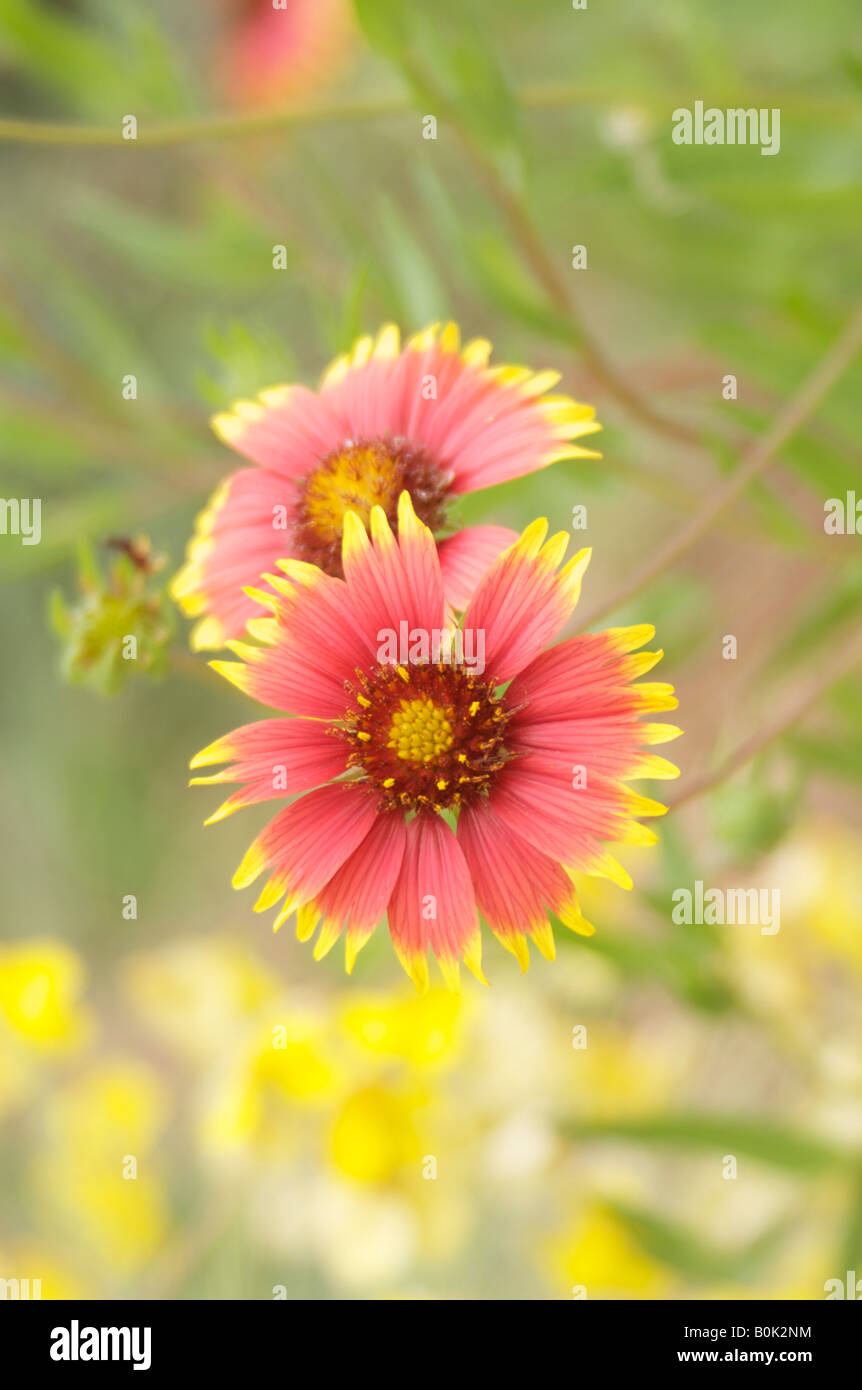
x=279, y=52
x=429, y=418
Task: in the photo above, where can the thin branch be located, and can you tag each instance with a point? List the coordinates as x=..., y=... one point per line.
x=545, y=270
x=560, y=298
x=532, y=96
x=548, y=276
x=842, y=665
x=810, y=395
x=203, y=128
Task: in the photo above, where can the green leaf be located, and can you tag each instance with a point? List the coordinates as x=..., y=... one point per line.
x=73, y=59
x=384, y=24
x=423, y=298
x=506, y=285
x=222, y=249
x=840, y=758
x=248, y=359
x=760, y=1140
x=449, y=65
x=683, y=1250
x=119, y=64
x=823, y=619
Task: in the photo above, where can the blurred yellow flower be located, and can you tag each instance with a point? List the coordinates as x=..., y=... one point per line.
x=41, y=981
x=192, y=992
x=597, y=1255
x=626, y=1071
x=119, y=1220
x=278, y=1068
x=822, y=876
x=797, y=974
x=95, y=1171
x=375, y=1133
x=418, y=1029
x=116, y=1106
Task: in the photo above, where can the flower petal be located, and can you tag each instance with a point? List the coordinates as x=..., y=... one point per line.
x=575, y=703
x=393, y=580
x=466, y=556
x=515, y=883
x=560, y=814
x=483, y=424
x=285, y=430
x=313, y=644
x=306, y=843
x=238, y=536
x=523, y=601
x=432, y=904
x=590, y=675
x=358, y=893
x=273, y=758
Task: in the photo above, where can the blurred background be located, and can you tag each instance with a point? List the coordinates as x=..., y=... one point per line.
x=154, y=1141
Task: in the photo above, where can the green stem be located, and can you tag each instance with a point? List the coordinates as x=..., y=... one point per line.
x=532, y=96
x=202, y=128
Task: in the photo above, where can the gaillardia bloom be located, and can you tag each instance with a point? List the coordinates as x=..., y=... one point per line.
x=431, y=419
x=275, y=55
x=407, y=727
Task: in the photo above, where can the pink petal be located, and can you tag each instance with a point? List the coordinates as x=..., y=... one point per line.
x=589, y=676
x=287, y=432
x=546, y=802
x=466, y=556
x=432, y=903
x=483, y=424
x=274, y=758
x=314, y=645
x=358, y=893
x=306, y=843
x=523, y=601
x=393, y=581
x=237, y=539
x=515, y=883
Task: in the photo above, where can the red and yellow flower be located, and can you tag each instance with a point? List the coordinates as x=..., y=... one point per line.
x=429, y=789
x=431, y=419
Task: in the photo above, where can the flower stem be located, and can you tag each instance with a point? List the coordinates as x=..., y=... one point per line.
x=546, y=96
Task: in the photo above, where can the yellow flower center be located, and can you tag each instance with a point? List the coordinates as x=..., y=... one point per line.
x=425, y=736
x=420, y=731
x=356, y=476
